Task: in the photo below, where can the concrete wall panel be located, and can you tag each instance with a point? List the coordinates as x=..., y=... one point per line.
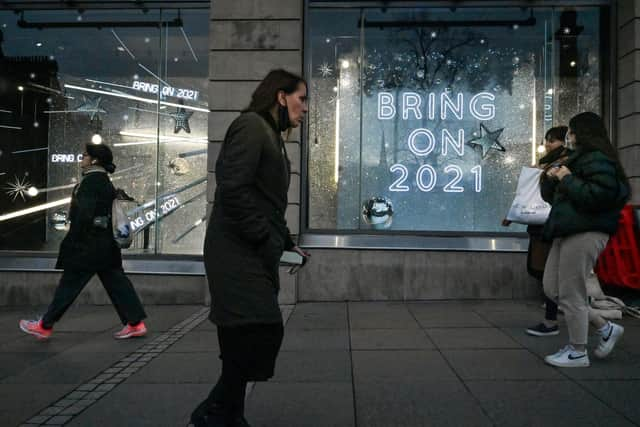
x=252, y=9
x=251, y=65
x=255, y=35
x=336, y=275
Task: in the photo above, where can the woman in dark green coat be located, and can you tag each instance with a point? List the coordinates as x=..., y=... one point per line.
x=89, y=248
x=246, y=235
x=586, y=193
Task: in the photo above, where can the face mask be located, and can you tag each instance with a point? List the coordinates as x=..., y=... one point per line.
x=283, y=118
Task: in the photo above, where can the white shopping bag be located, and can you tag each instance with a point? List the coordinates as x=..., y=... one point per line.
x=528, y=207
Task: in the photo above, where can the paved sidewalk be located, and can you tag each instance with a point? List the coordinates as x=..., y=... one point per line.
x=454, y=363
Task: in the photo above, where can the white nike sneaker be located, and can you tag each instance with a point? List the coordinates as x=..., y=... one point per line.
x=608, y=340
x=568, y=357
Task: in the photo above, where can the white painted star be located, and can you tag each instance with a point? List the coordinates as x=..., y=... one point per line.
x=487, y=140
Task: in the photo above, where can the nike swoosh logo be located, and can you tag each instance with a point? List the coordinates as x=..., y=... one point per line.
x=576, y=358
x=608, y=336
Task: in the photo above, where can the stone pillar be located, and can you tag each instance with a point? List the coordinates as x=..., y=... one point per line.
x=247, y=39
x=628, y=87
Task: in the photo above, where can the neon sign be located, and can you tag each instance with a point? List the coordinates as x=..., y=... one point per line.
x=66, y=158
x=153, y=88
x=422, y=142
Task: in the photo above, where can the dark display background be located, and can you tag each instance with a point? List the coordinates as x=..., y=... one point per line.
x=61, y=86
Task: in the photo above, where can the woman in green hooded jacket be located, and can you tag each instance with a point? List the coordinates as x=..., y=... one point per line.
x=586, y=193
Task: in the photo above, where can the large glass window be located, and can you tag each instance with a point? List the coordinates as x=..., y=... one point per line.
x=135, y=80
x=421, y=119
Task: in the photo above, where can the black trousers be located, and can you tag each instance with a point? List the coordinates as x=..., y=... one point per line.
x=116, y=283
x=248, y=353
x=536, y=259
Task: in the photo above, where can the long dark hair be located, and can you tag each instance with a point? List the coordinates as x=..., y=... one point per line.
x=591, y=135
x=266, y=94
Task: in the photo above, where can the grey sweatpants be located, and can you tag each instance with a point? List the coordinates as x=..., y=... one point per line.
x=568, y=266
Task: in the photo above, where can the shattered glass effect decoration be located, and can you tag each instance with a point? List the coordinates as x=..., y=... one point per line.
x=181, y=117
x=60, y=221
x=19, y=187
x=378, y=212
x=325, y=70
x=488, y=140
x=179, y=166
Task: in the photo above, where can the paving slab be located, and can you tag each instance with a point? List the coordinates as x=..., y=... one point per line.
x=384, y=318
x=315, y=339
x=21, y=401
x=631, y=339
x=471, y=338
x=58, y=343
x=318, y=316
x=543, y=403
x=621, y=395
x=380, y=364
x=409, y=365
x=313, y=366
x=197, y=341
x=104, y=342
x=416, y=403
x=506, y=364
x=516, y=319
x=482, y=306
x=12, y=364
x=88, y=319
x=67, y=367
x=541, y=346
x=162, y=317
x=324, y=404
x=140, y=405
x=390, y=339
x=177, y=368
x=439, y=317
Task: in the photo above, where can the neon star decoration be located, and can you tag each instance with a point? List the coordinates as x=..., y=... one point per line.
x=488, y=140
x=181, y=117
x=19, y=187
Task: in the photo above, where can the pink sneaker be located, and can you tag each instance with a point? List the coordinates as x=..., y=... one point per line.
x=131, y=331
x=34, y=327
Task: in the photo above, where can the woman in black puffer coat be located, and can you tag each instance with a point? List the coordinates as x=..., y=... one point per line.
x=586, y=194
x=89, y=249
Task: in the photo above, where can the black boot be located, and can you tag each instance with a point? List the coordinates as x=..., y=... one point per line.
x=208, y=415
x=241, y=422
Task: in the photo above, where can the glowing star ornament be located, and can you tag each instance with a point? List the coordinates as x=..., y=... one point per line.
x=181, y=117
x=20, y=187
x=325, y=70
x=488, y=140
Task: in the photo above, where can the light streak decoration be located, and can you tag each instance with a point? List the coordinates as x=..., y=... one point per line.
x=189, y=230
x=34, y=209
x=135, y=98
